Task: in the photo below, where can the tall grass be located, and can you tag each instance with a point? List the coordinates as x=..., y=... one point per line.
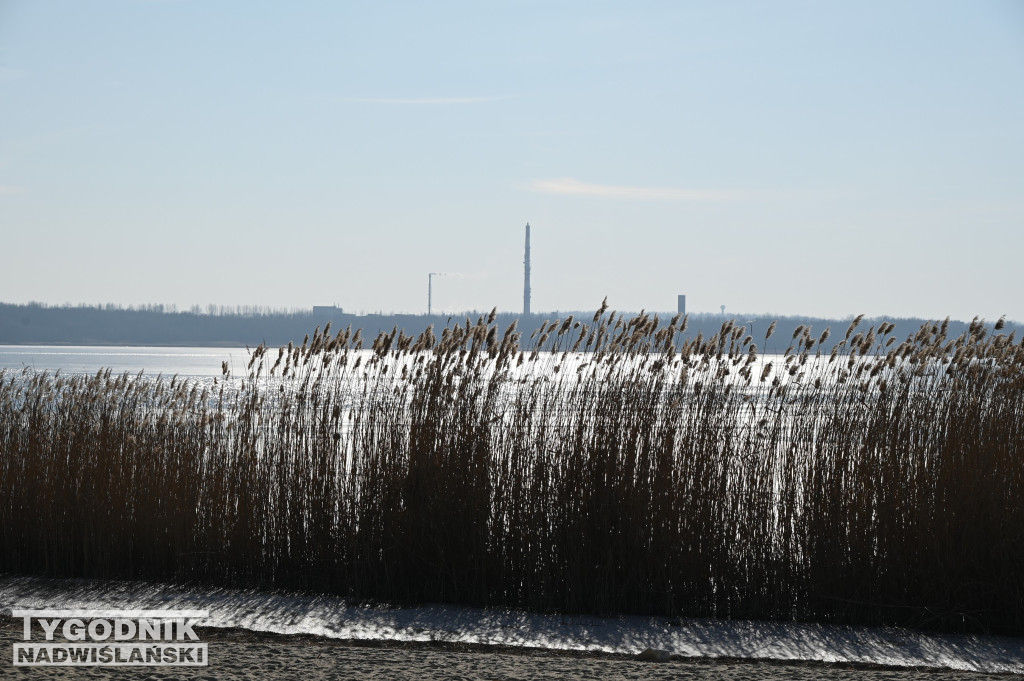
x=609, y=465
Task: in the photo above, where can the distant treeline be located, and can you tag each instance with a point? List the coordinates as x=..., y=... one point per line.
x=39, y=324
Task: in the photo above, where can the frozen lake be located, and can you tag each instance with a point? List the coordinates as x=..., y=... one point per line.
x=83, y=359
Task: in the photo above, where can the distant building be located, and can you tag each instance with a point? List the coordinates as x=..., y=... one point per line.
x=327, y=311
x=682, y=305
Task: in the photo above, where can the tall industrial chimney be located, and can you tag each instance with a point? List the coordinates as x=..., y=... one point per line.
x=526, y=274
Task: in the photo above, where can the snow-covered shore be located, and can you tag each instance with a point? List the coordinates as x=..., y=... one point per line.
x=330, y=617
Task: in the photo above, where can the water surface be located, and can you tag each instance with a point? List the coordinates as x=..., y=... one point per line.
x=84, y=359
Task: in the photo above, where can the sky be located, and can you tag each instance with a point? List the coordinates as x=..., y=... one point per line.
x=785, y=157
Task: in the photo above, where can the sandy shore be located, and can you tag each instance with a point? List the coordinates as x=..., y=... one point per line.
x=243, y=654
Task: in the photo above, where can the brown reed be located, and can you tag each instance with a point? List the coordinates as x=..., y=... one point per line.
x=617, y=466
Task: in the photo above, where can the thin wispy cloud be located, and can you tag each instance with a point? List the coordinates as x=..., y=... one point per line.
x=7, y=74
x=567, y=186
x=10, y=190
x=424, y=100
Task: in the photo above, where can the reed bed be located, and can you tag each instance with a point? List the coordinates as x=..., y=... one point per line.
x=606, y=465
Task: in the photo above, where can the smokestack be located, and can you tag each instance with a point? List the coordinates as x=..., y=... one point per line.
x=526, y=274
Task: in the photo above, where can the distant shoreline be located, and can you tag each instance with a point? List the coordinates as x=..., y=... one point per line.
x=35, y=324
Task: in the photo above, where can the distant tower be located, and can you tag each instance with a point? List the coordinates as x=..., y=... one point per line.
x=682, y=305
x=526, y=274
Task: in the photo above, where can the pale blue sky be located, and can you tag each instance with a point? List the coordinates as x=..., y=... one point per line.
x=824, y=158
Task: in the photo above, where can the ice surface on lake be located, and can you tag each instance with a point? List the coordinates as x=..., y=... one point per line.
x=331, y=617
